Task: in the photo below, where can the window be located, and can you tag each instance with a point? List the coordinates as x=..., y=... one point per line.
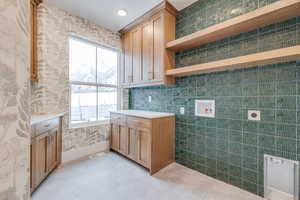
x=94, y=81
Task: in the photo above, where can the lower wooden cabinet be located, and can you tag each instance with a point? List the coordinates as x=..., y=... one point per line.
x=45, y=150
x=123, y=148
x=38, y=161
x=132, y=144
x=143, y=147
x=52, y=150
x=115, y=136
x=149, y=142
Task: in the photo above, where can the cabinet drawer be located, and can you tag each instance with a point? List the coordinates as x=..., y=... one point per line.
x=136, y=122
x=46, y=126
x=117, y=119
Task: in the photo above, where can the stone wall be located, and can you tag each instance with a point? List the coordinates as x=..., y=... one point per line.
x=52, y=93
x=14, y=100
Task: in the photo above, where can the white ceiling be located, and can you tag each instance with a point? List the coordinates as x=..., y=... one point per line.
x=104, y=12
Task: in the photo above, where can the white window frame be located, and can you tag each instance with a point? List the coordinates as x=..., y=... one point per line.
x=119, y=89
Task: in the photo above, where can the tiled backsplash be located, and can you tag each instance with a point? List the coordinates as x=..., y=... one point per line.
x=229, y=147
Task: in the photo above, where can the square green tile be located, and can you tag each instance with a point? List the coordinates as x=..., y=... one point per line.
x=250, y=126
x=235, y=171
x=235, y=160
x=250, y=163
x=267, y=89
x=249, y=176
x=286, y=88
x=235, y=148
x=236, y=181
x=286, y=145
x=286, y=116
x=267, y=128
x=287, y=71
x=250, y=138
x=250, y=151
x=266, y=141
x=250, y=102
x=267, y=102
x=249, y=186
x=222, y=176
x=236, y=136
x=250, y=90
x=268, y=115
x=287, y=130
x=286, y=102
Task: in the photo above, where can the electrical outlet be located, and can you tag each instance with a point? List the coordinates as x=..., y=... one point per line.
x=254, y=115
x=149, y=99
x=182, y=110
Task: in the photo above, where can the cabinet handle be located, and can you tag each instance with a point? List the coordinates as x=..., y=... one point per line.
x=47, y=126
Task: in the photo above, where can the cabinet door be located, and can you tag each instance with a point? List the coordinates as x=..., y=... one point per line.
x=136, y=55
x=123, y=140
x=38, y=160
x=52, y=150
x=147, y=51
x=132, y=144
x=127, y=56
x=158, y=47
x=144, y=142
x=115, y=137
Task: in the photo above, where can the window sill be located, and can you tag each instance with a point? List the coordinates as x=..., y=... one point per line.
x=89, y=124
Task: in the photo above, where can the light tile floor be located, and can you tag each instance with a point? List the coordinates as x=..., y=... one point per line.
x=112, y=177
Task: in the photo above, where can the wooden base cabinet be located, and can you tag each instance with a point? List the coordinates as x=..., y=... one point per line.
x=148, y=142
x=38, y=161
x=45, y=150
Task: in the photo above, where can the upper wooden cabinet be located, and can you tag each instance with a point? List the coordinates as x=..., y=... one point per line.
x=33, y=17
x=145, y=59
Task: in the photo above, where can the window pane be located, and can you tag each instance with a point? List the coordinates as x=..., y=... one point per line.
x=84, y=103
x=107, y=66
x=107, y=101
x=82, y=61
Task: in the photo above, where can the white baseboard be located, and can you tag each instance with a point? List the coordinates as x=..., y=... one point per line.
x=85, y=151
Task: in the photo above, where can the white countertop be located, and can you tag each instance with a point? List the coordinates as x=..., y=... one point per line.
x=144, y=114
x=39, y=118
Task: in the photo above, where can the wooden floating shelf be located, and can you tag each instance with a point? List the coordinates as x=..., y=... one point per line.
x=273, y=13
x=263, y=58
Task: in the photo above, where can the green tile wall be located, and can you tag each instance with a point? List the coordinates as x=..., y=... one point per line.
x=229, y=147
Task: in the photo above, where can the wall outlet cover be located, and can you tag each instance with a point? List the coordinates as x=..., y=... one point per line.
x=205, y=108
x=182, y=110
x=254, y=115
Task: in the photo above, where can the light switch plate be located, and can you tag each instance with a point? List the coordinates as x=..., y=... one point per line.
x=149, y=99
x=182, y=110
x=205, y=108
x=254, y=115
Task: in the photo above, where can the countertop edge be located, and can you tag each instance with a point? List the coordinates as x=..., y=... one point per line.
x=35, y=119
x=159, y=114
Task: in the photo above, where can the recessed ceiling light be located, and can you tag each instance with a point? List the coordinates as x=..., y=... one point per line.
x=122, y=13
